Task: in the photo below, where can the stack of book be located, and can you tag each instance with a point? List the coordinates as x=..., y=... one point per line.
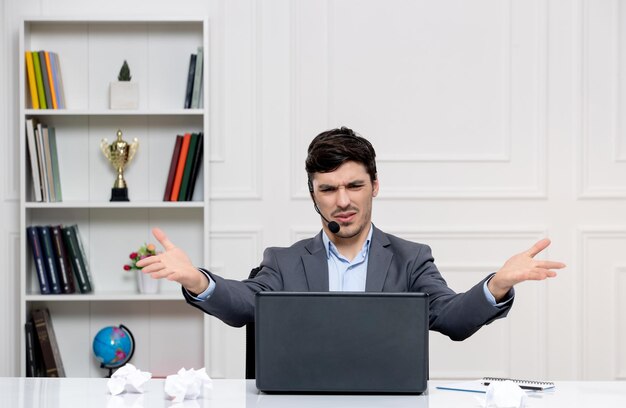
x=184, y=167
x=194, y=93
x=45, y=85
x=44, y=161
x=43, y=358
x=60, y=259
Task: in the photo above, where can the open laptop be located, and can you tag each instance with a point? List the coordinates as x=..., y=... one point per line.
x=341, y=342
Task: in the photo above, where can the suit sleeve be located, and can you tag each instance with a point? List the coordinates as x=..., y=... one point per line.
x=456, y=315
x=232, y=301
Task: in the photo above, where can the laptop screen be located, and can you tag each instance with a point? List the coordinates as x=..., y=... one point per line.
x=344, y=342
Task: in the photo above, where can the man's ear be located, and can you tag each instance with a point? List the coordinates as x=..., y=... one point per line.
x=375, y=188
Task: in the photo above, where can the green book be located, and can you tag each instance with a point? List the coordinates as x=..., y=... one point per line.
x=56, y=178
x=78, y=258
x=184, y=185
x=39, y=80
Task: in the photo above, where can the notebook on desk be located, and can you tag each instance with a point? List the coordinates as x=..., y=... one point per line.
x=341, y=342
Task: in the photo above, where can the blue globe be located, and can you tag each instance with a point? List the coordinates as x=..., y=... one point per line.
x=113, y=346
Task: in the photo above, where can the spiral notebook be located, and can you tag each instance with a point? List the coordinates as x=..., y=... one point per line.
x=523, y=384
x=481, y=385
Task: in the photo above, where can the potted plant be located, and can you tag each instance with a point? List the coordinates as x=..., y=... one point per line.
x=124, y=94
x=145, y=283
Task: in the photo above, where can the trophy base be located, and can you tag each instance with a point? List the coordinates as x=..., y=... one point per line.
x=119, y=194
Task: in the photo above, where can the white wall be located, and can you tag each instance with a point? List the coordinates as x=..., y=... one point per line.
x=496, y=122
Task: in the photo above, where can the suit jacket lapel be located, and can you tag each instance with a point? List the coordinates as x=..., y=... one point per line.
x=316, y=265
x=378, y=262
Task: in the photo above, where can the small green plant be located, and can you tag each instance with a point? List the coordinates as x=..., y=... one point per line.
x=124, y=73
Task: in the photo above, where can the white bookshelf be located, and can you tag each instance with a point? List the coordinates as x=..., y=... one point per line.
x=168, y=333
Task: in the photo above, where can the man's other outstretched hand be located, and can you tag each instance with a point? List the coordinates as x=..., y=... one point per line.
x=523, y=267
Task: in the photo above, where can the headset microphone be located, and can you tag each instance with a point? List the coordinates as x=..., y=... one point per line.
x=332, y=225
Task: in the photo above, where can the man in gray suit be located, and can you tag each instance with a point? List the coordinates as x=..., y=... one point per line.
x=350, y=253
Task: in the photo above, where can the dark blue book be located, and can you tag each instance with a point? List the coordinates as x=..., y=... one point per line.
x=35, y=246
x=49, y=257
x=63, y=261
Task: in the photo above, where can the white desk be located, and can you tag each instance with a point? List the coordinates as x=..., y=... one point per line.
x=92, y=392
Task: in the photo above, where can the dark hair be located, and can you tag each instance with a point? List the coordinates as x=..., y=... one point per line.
x=332, y=148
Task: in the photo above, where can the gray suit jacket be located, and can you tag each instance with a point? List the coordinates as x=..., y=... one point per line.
x=394, y=265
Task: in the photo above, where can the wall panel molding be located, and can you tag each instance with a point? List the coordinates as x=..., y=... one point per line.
x=306, y=115
x=232, y=251
x=234, y=102
x=601, y=59
x=599, y=276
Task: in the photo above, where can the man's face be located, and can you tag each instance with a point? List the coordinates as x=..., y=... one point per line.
x=345, y=196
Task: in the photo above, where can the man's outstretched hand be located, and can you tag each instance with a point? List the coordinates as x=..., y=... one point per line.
x=173, y=264
x=523, y=267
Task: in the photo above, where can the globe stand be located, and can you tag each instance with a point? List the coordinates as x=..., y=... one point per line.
x=109, y=368
x=130, y=353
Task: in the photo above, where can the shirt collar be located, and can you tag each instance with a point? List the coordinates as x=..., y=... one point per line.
x=330, y=247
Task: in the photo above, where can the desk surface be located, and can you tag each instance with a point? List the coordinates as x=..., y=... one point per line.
x=92, y=392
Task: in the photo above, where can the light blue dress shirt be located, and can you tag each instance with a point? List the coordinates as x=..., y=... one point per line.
x=345, y=275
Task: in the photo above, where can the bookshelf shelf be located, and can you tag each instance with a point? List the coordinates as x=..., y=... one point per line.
x=179, y=205
x=106, y=297
x=108, y=112
x=90, y=52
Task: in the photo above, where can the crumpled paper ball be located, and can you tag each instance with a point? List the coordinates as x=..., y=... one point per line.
x=188, y=384
x=128, y=378
x=504, y=394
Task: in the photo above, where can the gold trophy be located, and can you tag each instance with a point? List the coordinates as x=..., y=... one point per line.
x=119, y=154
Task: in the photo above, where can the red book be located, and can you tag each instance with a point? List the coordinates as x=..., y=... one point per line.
x=173, y=165
x=180, y=167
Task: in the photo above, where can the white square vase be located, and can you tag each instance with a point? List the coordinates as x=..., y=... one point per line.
x=124, y=95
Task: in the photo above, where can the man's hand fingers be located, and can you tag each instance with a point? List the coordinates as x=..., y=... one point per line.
x=550, y=265
x=538, y=247
x=162, y=238
x=540, y=274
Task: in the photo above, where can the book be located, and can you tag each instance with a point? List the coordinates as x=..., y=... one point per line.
x=34, y=162
x=197, y=80
x=190, y=76
x=34, y=363
x=41, y=160
x=523, y=384
x=64, y=266
x=53, y=95
x=58, y=79
x=83, y=254
x=49, y=259
x=32, y=82
x=180, y=167
x=184, y=185
x=48, y=161
x=48, y=342
x=79, y=265
x=40, y=269
x=201, y=101
x=41, y=95
x=172, y=172
x=195, y=167
x=54, y=159
x=45, y=78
